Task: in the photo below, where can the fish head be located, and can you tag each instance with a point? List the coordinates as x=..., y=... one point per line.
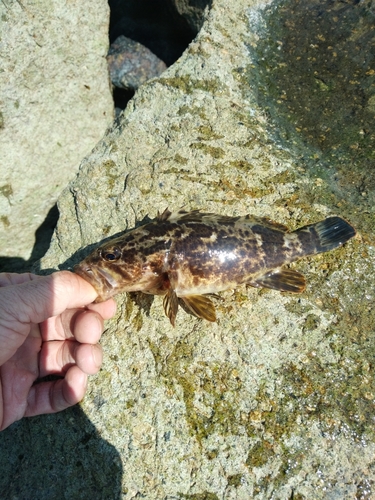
x=110, y=269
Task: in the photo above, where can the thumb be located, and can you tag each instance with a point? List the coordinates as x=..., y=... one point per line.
x=43, y=297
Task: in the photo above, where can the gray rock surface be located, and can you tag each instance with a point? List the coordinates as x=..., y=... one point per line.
x=276, y=399
x=55, y=105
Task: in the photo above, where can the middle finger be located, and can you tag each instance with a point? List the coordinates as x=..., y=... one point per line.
x=81, y=324
x=56, y=357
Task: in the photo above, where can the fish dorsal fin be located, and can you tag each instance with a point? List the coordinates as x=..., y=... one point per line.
x=163, y=215
x=264, y=221
x=170, y=304
x=198, y=216
x=194, y=216
x=191, y=216
x=201, y=306
x=284, y=280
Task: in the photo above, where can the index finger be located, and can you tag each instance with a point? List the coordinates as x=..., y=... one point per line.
x=83, y=324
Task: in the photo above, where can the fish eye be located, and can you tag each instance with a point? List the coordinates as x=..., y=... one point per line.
x=111, y=255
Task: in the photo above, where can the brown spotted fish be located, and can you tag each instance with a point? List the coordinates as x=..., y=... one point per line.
x=187, y=256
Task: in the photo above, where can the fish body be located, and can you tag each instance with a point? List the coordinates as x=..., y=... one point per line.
x=186, y=256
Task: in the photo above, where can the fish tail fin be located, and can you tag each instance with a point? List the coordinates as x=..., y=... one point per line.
x=326, y=235
x=333, y=232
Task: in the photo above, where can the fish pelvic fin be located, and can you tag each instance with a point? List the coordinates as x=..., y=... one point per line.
x=284, y=280
x=327, y=234
x=201, y=306
x=170, y=303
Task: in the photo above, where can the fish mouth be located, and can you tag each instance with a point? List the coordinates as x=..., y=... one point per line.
x=103, y=282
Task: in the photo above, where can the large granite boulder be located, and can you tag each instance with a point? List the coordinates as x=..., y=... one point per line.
x=260, y=115
x=56, y=103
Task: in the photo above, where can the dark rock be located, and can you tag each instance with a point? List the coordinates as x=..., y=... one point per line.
x=156, y=24
x=131, y=64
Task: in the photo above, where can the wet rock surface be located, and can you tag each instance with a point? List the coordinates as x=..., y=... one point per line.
x=316, y=79
x=276, y=399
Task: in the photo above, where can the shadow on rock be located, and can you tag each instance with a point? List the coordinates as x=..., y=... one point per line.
x=58, y=456
x=83, y=252
x=43, y=237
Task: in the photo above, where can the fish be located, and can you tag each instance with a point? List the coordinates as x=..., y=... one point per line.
x=189, y=256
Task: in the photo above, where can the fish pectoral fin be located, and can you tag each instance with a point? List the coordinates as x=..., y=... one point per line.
x=170, y=303
x=284, y=280
x=201, y=306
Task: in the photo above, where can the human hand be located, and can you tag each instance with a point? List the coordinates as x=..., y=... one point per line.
x=48, y=325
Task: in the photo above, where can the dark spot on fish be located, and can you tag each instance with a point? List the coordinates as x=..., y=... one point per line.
x=178, y=233
x=145, y=237
x=159, y=230
x=165, y=281
x=272, y=243
x=201, y=230
x=129, y=254
x=120, y=270
x=241, y=252
x=309, y=239
x=269, y=236
x=251, y=246
x=158, y=246
x=222, y=234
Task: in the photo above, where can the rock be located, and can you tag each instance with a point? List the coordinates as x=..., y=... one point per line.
x=56, y=104
x=131, y=64
x=276, y=399
x=192, y=11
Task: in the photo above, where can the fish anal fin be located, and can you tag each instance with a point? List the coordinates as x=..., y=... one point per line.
x=170, y=303
x=201, y=306
x=284, y=280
